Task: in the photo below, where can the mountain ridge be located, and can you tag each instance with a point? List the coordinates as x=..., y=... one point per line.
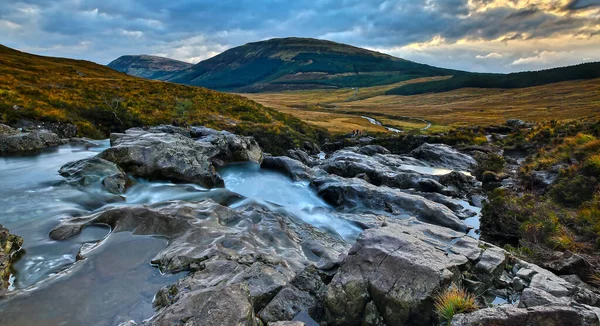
x=148, y=66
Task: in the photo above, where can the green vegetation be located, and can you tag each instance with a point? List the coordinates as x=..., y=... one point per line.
x=99, y=100
x=452, y=301
x=514, y=80
x=562, y=215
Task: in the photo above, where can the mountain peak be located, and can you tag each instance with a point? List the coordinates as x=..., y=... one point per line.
x=149, y=66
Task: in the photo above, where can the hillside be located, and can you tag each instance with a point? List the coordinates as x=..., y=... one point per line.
x=100, y=100
x=148, y=66
x=507, y=81
x=301, y=63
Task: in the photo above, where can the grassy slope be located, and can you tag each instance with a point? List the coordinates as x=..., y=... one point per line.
x=506, y=81
x=100, y=100
x=463, y=107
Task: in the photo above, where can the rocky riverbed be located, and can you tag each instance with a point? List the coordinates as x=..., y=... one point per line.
x=239, y=237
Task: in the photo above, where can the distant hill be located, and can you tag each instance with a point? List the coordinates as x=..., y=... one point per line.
x=514, y=80
x=300, y=63
x=303, y=63
x=148, y=66
x=100, y=100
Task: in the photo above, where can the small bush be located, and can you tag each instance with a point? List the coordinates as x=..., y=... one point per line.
x=452, y=301
x=488, y=162
x=572, y=191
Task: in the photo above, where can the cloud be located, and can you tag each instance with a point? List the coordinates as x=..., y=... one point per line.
x=492, y=55
x=439, y=32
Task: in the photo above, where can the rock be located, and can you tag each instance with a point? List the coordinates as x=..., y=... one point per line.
x=372, y=150
x=61, y=129
x=95, y=170
x=9, y=245
x=301, y=156
x=399, y=268
x=293, y=168
x=221, y=305
x=542, y=180
x=461, y=183
x=169, y=129
x=515, y=123
x=28, y=141
x=251, y=253
x=372, y=317
x=444, y=156
x=356, y=194
x=287, y=304
x=287, y=323
x=508, y=315
x=167, y=156
x=565, y=263
x=491, y=264
x=533, y=297
x=231, y=148
x=7, y=130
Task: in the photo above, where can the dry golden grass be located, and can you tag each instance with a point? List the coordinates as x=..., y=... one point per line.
x=464, y=107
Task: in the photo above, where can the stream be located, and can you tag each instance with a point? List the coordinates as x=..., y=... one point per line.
x=116, y=282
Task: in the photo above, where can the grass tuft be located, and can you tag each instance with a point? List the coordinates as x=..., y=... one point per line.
x=452, y=301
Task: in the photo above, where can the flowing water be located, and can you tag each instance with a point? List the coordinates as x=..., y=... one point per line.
x=115, y=281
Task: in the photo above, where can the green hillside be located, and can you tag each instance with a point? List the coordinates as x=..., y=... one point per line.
x=514, y=80
x=300, y=63
x=100, y=100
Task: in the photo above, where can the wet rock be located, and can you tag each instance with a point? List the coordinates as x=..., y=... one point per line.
x=301, y=156
x=291, y=167
x=542, y=180
x=357, y=194
x=232, y=148
x=9, y=245
x=459, y=182
x=95, y=170
x=372, y=317
x=28, y=141
x=372, y=150
x=491, y=264
x=444, y=156
x=287, y=323
x=168, y=156
x=508, y=315
x=250, y=247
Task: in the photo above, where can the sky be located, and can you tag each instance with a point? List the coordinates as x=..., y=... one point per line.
x=473, y=35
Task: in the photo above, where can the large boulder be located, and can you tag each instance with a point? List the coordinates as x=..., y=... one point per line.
x=12, y=141
x=356, y=194
x=444, y=156
x=167, y=156
x=9, y=245
x=232, y=148
x=394, y=272
x=91, y=171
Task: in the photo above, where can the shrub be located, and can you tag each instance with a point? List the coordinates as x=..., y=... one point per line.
x=488, y=162
x=573, y=190
x=452, y=301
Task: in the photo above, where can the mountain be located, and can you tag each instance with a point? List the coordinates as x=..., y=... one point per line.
x=148, y=66
x=300, y=63
x=304, y=63
x=100, y=100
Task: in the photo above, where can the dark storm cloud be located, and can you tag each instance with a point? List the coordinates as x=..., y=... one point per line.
x=101, y=30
